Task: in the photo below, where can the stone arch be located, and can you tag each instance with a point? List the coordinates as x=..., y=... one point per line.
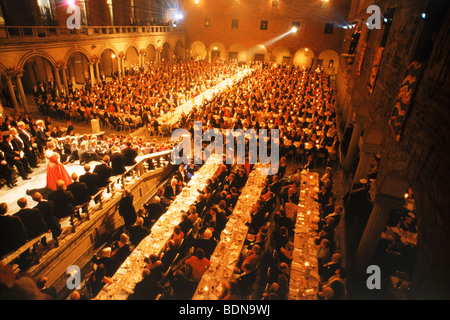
x=330, y=61
x=179, y=50
x=165, y=53
x=109, y=63
x=79, y=50
x=150, y=53
x=281, y=55
x=78, y=66
x=237, y=52
x=217, y=51
x=303, y=58
x=37, y=67
x=131, y=57
x=258, y=52
x=198, y=49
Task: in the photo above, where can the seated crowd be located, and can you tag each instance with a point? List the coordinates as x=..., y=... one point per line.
x=298, y=102
x=139, y=98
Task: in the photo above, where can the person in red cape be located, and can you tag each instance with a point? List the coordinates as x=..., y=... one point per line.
x=55, y=169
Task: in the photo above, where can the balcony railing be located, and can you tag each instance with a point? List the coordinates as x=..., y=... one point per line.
x=50, y=32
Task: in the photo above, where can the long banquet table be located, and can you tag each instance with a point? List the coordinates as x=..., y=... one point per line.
x=130, y=272
x=304, y=277
x=227, y=252
x=172, y=117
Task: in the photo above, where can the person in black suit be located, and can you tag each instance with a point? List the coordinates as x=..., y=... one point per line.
x=138, y=231
x=130, y=154
x=32, y=219
x=155, y=209
x=85, y=154
x=63, y=200
x=246, y=280
x=103, y=171
x=12, y=231
x=172, y=189
x=80, y=192
x=6, y=172
x=14, y=159
x=70, y=129
x=127, y=210
x=90, y=179
x=41, y=136
x=182, y=174
x=27, y=139
x=47, y=212
x=117, y=161
x=146, y=289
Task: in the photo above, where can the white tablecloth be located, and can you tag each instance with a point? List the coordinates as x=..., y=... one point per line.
x=227, y=252
x=304, y=278
x=130, y=272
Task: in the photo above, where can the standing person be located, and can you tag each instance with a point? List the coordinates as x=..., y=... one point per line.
x=103, y=171
x=127, y=210
x=55, y=169
x=46, y=210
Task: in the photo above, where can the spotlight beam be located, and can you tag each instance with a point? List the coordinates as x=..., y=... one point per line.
x=272, y=41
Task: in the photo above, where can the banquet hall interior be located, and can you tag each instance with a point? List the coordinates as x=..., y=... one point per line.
x=163, y=115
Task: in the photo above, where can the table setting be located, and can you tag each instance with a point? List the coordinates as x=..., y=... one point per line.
x=129, y=273
x=227, y=252
x=304, y=278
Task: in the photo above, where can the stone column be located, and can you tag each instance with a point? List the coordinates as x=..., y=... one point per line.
x=58, y=82
x=64, y=76
x=12, y=94
x=22, y=92
x=97, y=70
x=91, y=72
x=354, y=142
x=365, y=156
x=383, y=204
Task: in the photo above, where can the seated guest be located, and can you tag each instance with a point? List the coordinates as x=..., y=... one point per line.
x=85, y=154
x=245, y=280
x=13, y=234
x=31, y=218
x=172, y=189
x=198, y=264
x=155, y=209
x=121, y=249
x=63, y=200
x=138, y=231
x=186, y=223
x=147, y=288
x=205, y=242
x=253, y=257
x=177, y=235
x=107, y=261
x=169, y=254
x=14, y=159
x=155, y=266
x=327, y=270
x=6, y=172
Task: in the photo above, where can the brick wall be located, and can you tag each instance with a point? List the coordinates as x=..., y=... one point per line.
x=422, y=152
x=249, y=13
